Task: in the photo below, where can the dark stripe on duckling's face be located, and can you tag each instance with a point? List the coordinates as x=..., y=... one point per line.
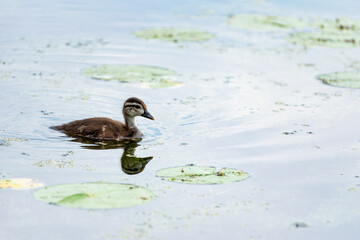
x=136, y=107
x=133, y=105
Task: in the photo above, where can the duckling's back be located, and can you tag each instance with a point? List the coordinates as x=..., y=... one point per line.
x=96, y=128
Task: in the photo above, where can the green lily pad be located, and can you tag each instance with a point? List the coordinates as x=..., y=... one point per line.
x=342, y=79
x=155, y=77
x=98, y=195
x=328, y=39
x=174, y=34
x=201, y=175
x=264, y=22
x=339, y=32
x=339, y=24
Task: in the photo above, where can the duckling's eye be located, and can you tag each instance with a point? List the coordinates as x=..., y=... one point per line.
x=137, y=106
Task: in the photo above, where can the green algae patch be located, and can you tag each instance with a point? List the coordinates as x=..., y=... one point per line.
x=149, y=76
x=174, y=34
x=339, y=24
x=265, y=22
x=97, y=195
x=201, y=175
x=342, y=79
x=19, y=183
x=327, y=39
x=62, y=163
x=8, y=141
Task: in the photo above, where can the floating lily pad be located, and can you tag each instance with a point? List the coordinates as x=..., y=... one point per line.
x=339, y=32
x=328, y=39
x=339, y=24
x=342, y=79
x=264, y=22
x=155, y=77
x=174, y=34
x=201, y=175
x=19, y=183
x=98, y=195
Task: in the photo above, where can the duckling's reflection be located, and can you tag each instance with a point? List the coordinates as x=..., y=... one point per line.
x=130, y=164
x=100, y=145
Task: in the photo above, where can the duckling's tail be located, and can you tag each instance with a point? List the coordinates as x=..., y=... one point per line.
x=57, y=128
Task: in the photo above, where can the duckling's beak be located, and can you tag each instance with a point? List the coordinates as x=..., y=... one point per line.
x=147, y=115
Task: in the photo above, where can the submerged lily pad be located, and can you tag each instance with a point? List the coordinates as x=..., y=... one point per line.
x=98, y=195
x=264, y=22
x=342, y=79
x=19, y=183
x=328, y=39
x=155, y=77
x=201, y=175
x=174, y=34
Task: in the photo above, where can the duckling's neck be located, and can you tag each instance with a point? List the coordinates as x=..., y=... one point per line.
x=130, y=121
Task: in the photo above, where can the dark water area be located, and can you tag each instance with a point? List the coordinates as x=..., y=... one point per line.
x=248, y=100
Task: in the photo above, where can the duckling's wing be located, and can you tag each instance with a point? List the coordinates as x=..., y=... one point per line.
x=93, y=128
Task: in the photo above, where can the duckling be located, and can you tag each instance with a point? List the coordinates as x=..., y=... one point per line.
x=100, y=128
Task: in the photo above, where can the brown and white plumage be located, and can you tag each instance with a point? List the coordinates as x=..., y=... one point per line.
x=100, y=128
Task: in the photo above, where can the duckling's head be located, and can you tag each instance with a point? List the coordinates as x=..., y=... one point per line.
x=135, y=107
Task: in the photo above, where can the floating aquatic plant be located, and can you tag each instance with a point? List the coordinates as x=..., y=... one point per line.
x=97, y=195
x=265, y=22
x=328, y=39
x=201, y=175
x=7, y=141
x=174, y=34
x=62, y=163
x=154, y=77
x=19, y=183
x=300, y=225
x=338, y=24
x=340, y=32
x=342, y=79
